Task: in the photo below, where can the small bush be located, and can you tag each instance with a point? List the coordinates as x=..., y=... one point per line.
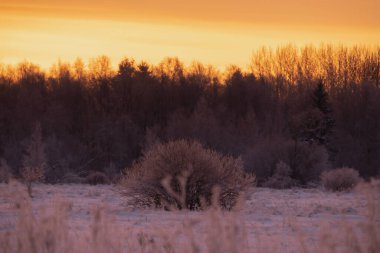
x=340, y=179
x=281, y=178
x=183, y=174
x=97, y=177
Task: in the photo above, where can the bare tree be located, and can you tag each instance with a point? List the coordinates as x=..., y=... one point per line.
x=34, y=160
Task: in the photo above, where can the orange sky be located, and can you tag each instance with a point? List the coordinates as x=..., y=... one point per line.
x=216, y=32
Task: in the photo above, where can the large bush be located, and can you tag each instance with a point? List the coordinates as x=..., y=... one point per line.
x=183, y=174
x=340, y=179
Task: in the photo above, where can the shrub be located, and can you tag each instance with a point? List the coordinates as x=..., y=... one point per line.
x=262, y=158
x=306, y=161
x=340, y=179
x=182, y=174
x=281, y=178
x=97, y=177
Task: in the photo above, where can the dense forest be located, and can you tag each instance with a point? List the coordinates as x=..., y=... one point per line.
x=311, y=108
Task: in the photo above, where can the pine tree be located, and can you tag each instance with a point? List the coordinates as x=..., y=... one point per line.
x=320, y=99
x=324, y=123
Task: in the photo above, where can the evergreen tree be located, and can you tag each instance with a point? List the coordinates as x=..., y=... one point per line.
x=323, y=124
x=320, y=98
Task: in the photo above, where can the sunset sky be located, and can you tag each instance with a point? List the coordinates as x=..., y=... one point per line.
x=213, y=32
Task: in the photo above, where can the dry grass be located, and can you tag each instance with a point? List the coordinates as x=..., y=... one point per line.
x=361, y=237
x=50, y=229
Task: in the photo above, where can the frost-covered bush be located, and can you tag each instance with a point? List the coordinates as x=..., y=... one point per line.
x=281, y=178
x=183, y=174
x=340, y=179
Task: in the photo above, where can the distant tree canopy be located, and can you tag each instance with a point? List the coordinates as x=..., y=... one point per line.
x=290, y=103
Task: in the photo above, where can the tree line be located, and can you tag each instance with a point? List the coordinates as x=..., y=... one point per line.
x=311, y=108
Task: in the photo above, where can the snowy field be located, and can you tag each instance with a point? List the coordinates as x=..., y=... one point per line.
x=83, y=218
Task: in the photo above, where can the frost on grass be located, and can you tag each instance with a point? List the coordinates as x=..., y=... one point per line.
x=67, y=218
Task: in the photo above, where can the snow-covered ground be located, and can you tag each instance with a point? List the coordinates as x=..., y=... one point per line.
x=294, y=220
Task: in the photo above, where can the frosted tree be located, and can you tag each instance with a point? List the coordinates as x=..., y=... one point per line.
x=34, y=161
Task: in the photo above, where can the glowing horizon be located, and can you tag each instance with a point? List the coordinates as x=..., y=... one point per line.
x=220, y=33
